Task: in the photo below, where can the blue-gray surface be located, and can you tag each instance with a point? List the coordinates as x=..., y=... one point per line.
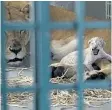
x=106, y=106
x=29, y=104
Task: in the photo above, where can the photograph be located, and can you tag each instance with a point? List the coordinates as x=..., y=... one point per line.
x=55, y=55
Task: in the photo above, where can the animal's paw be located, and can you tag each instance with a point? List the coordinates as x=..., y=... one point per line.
x=98, y=76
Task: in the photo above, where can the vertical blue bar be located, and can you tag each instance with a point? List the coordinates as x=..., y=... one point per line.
x=42, y=18
x=3, y=61
x=33, y=50
x=35, y=59
x=80, y=8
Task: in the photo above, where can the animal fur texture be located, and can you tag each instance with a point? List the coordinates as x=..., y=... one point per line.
x=19, y=11
x=94, y=52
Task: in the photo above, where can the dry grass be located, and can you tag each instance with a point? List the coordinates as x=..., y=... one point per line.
x=92, y=97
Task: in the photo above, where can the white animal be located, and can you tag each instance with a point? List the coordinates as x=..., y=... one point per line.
x=59, y=49
x=94, y=52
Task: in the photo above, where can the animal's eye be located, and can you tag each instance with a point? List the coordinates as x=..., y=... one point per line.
x=87, y=73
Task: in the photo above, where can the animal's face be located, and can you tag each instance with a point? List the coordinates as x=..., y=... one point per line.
x=96, y=44
x=15, y=46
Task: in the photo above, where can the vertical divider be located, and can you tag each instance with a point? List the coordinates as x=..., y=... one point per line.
x=33, y=50
x=80, y=8
x=3, y=61
x=43, y=25
x=42, y=37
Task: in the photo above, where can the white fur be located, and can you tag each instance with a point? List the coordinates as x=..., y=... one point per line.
x=70, y=60
x=10, y=56
x=59, y=50
x=22, y=53
x=57, y=43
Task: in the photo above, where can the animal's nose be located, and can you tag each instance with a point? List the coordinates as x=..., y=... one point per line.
x=16, y=51
x=94, y=48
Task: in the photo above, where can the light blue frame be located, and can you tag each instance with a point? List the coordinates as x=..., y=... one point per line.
x=43, y=24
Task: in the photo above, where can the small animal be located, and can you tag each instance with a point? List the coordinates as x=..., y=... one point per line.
x=94, y=52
